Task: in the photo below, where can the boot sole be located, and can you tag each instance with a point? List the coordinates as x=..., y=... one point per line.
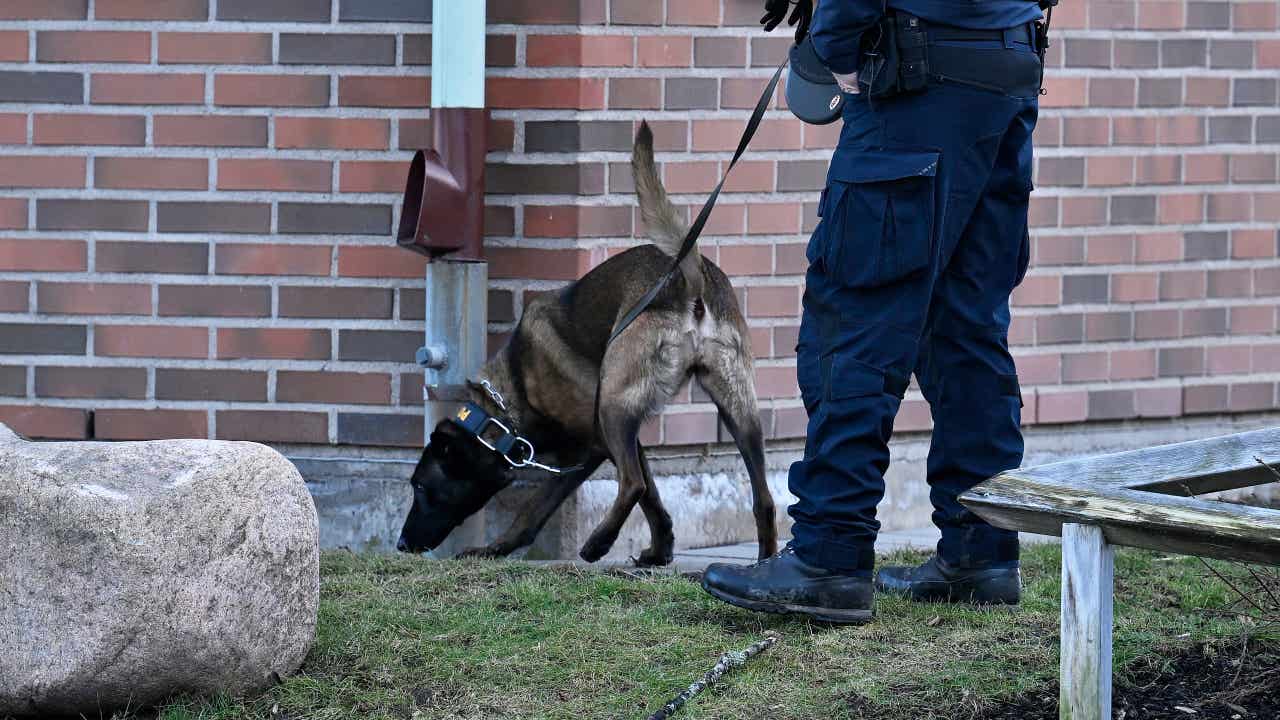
x=828, y=615
x=956, y=594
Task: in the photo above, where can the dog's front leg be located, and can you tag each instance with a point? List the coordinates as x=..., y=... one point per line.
x=552, y=492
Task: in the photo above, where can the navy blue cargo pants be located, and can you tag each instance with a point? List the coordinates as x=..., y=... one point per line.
x=922, y=238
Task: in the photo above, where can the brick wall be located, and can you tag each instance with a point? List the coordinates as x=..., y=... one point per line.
x=197, y=196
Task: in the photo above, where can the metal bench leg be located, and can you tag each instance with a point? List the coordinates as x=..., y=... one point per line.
x=1088, y=569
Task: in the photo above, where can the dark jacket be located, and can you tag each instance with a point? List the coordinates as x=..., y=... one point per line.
x=838, y=24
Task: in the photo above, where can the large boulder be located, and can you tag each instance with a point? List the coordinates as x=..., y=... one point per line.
x=133, y=571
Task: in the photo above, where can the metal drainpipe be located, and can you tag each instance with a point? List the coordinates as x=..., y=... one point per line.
x=443, y=217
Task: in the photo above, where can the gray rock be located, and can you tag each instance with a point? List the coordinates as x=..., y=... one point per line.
x=133, y=571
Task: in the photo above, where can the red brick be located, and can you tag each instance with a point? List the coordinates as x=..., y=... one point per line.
x=1133, y=364
x=1228, y=207
x=1254, y=16
x=372, y=176
x=90, y=129
x=13, y=296
x=215, y=48
x=141, y=173
x=1268, y=52
x=773, y=301
x=91, y=382
x=211, y=385
x=13, y=129
x=1084, y=367
x=746, y=259
x=44, y=10
x=151, y=10
x=691, y=177
x=1064, y=92
x=83, y=46
x=42, y=172
x=258, y=259
x=151, y=341
x=689, y=428
x=147, y=89
x=1181, y=130
x=13, y=46
x=214, y=301
x=1178, y=208
x=694, y=12
x=1043, y=369
x=119, y=424
x=773, y=218
x=1208, y=92
x=1159, y=169
x=776, y=382
x=1080, y=211
x=275, y=174
x=273, y=343
x=1206, y=168
x=271, y=90
x=1253, y=320
x=13, y=214
x=271, y=426
x=1246, y=244
x=210, y=131
x=722, y=135
x=635, y=94
x=42, y=255
x=373, y=261
x=93, y=298
x=579, y=51
x=342, y=388
x=664, y=51
x=332, y=133
x=187, y=258
x=543, y=93
x=1109, y=249
x=561, y=221
x=46, y=423
x=1251, y=397
x=1062, y=407
x=335, y=302
x=1109, y=171
x=1228, y=360
x=511, y=262
x=1158, y=401
x=1134, y=287
x=383, y=91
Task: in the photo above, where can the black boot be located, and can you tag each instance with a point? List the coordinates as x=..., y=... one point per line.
x=786, y=584
x=936, y=581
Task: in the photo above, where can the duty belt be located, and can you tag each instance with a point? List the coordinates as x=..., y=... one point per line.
x=985, y=67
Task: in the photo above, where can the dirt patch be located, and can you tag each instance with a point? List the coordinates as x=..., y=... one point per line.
x=1193, y=685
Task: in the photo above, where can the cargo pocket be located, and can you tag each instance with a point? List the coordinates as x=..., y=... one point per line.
x=1024, y=258
x=877, y=216
x=852, y=378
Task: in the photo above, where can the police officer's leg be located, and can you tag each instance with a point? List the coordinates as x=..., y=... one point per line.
x=968, y=376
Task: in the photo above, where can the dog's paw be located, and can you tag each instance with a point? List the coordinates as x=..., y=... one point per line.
x=652, y=558
x=479, y=553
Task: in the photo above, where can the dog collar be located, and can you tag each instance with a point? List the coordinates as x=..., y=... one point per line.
x=498, y=437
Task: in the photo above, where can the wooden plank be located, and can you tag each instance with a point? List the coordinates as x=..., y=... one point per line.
x=1201, y=466
x=1088, y=570
x=1131, y=517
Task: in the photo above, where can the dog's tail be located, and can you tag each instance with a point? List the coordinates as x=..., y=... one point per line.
x=665, y=225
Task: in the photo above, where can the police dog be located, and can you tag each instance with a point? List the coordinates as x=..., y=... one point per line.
x=546, y=377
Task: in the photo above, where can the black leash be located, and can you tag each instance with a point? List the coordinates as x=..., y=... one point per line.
x=695, y=230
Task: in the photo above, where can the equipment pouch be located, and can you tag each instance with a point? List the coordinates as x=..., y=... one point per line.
x=878, y=74
x=913, y=64
x=897, y=62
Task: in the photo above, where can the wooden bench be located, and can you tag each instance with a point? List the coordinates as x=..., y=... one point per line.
x=1142, y=498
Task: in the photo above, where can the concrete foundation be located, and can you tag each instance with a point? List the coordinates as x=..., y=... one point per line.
x=362, y=495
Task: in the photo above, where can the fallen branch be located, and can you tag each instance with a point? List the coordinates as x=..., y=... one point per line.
x=727, y=662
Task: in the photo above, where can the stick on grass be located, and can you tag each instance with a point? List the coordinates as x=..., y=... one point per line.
x=727, y=662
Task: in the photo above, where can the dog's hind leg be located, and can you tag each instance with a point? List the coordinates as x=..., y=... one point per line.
x=726, y=378
x=662, y=537
x=620, y=433
x=537, y=511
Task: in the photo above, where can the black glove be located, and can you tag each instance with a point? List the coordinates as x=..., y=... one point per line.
x=776, y=10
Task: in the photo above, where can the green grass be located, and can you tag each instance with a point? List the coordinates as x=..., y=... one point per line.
x=403, y=637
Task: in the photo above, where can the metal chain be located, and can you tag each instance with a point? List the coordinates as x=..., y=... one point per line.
x=494, y=395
